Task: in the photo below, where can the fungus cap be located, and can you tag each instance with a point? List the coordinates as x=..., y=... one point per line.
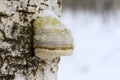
x=51, y=38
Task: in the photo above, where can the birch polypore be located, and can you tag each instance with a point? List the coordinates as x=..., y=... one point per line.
x=51, y=37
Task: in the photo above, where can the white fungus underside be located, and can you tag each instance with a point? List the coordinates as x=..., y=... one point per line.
x=45, y=53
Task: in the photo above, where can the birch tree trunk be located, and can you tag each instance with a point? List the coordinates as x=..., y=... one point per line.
x=17, y=59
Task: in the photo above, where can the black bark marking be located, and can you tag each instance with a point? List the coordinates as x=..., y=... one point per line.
x=32, y=5
x=13, y=0
x=59, y=3
x=3, y=15
x=25, y=11
x=14, y=27
x=7, y=77
x=42, y=70
x=44, y=4
x=56, y=60
x=43, y=62
x=40, y=9
x=52, y=70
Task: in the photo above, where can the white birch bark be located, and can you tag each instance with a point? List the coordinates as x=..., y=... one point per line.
x=17, y=59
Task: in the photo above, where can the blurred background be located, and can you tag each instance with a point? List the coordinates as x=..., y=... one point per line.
x=95, y=26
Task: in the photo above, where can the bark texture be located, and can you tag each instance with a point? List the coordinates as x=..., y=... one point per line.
x=17, y=59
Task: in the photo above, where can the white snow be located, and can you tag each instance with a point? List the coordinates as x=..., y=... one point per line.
x=97, y=47
x=49, y=13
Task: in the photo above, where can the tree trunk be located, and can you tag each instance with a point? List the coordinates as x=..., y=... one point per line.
x=17, y=59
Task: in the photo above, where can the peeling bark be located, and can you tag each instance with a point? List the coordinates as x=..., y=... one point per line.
x=17, y=59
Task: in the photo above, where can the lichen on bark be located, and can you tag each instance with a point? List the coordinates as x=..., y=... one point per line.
x=17, y=59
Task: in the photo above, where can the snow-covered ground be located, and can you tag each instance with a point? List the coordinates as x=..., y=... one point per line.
x=97, y=47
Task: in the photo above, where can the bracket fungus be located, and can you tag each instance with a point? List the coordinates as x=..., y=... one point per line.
x=51, y=37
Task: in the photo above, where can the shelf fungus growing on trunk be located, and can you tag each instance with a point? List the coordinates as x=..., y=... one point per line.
x=51, y=37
